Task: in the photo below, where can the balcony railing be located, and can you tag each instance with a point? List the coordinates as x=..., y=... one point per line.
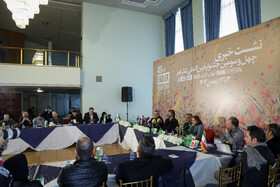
x=16, y=55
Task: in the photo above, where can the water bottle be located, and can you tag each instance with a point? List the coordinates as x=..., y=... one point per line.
x=132, y=155
x=69, y=124
x=234, y=148
x=101, y=152
x=67, y=163
x=22, y=126
x=97, y=152
x=104, y=159
x=3, y=125
x=172, y=132
x=9, y=126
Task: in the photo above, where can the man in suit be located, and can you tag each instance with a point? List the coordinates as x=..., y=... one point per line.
x=144, y=165
x=256, y=158
x=91, y=116
x=273, y=139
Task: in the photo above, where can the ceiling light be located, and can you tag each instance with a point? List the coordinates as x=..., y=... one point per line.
x=23, y=10
x=39, y=90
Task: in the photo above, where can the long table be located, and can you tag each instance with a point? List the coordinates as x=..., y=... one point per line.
x=202, y=169
x=52, y=138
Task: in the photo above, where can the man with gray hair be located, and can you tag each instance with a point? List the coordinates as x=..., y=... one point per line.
x=8, y=122
x=86, y=171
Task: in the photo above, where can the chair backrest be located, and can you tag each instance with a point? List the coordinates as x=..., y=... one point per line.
x=210, y=136
x=103, y=184
x=146, y=183
x=277, y=170
x=271, y=179
x=230, y=175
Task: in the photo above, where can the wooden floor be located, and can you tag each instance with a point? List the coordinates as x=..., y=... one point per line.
x=43, y=157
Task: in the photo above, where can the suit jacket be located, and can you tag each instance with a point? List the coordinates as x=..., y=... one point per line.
x=87, y=117
x=253, y=177
x=142, y=168
x=79, y=119
x=274, y=145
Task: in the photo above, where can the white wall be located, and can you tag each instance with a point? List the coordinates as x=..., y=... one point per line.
x=270, y=9
x=119, y=45
x=44, y=76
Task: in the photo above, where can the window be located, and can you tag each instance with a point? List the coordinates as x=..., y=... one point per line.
x=179, y=44
x=228, y=21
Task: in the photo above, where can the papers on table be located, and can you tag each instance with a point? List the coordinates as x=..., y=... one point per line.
x=173, y=156
x=223, y=148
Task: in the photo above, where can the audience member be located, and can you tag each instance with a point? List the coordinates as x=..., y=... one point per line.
x=18, y=167
x=171, y=122
x=105, y=118
x=86, y=171
x=91, y=116
x=5, y=175
x=188, y=123
x=56, y=119
x=197, y=128
x=233, y=134
x=8, y=122
x=256, y=158
x=273, y=139
x=25, y=120
x=71, y=111
x=76, y=118
x=144, y=165
x=156, y=121
x=47, y=114
x=38, y=121
x=31, y=112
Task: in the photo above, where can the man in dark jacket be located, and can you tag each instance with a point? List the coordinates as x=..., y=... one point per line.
x=171, y=122
x=144, y=165
x=91, y=116
x=273, y=138
x=76, y=118
x=86, y=171
x=255, y=159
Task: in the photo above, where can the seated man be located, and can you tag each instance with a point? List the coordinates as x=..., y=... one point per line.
x=25, y=120
x=157, y=120
x=8, y=122
x=38, y=121
x=255, y=159
x=171, y=122
x=144, y=165
x=187, y=124
x=5, y=175
x=18, y=167
x=91, y=116
x=76, y=118
x=47, y=114
x=273, y=139
x=86, y=171
x=233, y=134
x=56, y=119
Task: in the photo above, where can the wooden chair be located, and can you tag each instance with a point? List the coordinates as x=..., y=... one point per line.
x=103, y=184
x=277, y=170
x=146, y=183
x=230, y=175
x=271, y=179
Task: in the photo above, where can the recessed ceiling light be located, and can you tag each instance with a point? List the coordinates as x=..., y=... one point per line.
x=39, y=90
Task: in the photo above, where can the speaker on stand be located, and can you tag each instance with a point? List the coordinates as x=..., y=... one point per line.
x=127, y=97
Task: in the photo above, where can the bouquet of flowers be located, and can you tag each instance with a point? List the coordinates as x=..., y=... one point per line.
x=124, y=123
x=141, y=128
x=171, y=139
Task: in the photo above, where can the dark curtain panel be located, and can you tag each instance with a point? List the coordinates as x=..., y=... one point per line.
x=169, y=27
x=187, y=25
x=248, y=13
x=212, y=19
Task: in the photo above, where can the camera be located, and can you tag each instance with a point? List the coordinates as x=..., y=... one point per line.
x=11, y=134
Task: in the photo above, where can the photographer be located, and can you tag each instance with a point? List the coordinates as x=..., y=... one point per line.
x=5, y=176
x=25, y=120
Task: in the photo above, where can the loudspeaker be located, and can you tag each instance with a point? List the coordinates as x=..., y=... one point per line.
x=126, y=94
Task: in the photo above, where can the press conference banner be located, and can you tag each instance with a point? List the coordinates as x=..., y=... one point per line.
x=237, y=75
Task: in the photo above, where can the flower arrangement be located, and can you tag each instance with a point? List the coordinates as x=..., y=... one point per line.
x=141, y=128
x=172, y=139
x=124, y=123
